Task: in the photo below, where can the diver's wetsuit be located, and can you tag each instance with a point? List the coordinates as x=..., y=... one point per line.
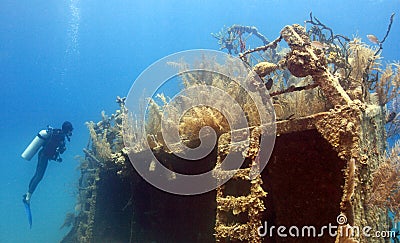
x=54, y=146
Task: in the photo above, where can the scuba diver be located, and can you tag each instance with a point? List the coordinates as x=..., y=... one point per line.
x=52, y=142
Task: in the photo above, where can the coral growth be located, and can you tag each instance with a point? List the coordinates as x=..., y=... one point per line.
x=385, y=188
x=198, y=91
x=199, y=117
x=264, y=68
x=107, y=140
x=233, y=38
x=250, y=204
x=393, y=119
x=100, y=143
x=387, y=87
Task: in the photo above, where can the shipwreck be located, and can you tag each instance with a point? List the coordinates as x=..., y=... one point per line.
x=329, y=164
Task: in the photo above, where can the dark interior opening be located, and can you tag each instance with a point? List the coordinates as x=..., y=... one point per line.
x=304, y=180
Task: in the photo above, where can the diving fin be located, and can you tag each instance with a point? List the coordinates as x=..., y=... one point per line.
x=28, y=212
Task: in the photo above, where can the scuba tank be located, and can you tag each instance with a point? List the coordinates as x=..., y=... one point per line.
x=36, y=143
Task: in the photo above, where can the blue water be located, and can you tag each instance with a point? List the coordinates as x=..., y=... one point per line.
x=68, y=60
